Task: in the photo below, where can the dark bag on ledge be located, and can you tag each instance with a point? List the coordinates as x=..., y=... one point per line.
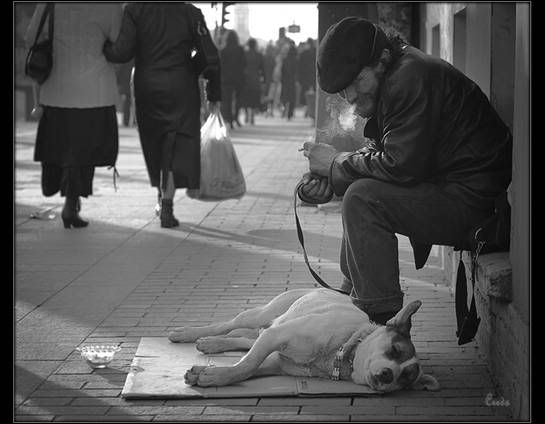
x=39, y=60
x=493, y=235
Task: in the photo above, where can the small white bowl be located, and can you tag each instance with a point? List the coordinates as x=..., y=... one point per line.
x=98, y=356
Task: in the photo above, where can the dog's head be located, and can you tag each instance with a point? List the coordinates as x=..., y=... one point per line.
x=386, y=359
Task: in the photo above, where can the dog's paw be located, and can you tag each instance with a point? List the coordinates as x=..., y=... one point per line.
x=210, y=376
x=184, y=335
x=191, y=376
x=211, y=344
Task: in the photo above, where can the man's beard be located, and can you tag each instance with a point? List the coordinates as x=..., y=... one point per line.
x=366, y=107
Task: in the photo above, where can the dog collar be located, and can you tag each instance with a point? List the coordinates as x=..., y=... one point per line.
x=338, y=361
x=337, y=364
x=340, y=355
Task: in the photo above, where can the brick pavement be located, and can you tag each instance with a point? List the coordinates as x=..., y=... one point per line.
x=124, y=277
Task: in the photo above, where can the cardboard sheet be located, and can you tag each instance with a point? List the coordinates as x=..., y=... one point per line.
x=158, y=369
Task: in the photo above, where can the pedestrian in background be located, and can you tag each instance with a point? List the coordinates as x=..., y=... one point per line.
x=306, y=73
x=275, y=89
x=288, y=78
x=78, y=128
x=161, y=37
x=268, y=64
x=255, y=74
x=233, y=66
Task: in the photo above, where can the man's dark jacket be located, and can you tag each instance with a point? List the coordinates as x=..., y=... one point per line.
x=433, y=124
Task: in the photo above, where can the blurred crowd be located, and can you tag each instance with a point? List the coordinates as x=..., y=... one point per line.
x=142, y=65
x=271, y=80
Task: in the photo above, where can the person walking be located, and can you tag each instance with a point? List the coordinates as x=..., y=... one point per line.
x=269, y=62
x=306, y=73
x=255, y=73
x=233, y=66
x=77, y=130
x=288, y=80
x=161, y=37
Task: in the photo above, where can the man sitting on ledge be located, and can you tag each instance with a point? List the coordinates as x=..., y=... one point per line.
x=441, y=157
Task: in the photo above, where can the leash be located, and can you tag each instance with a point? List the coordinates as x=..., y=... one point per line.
x=302, y=242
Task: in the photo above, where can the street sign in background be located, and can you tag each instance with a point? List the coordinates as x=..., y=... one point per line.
x=294, y=28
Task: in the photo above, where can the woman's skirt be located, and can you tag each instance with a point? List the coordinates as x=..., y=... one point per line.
x=70, y=142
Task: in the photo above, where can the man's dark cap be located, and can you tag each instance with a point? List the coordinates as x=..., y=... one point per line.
x=346, y=48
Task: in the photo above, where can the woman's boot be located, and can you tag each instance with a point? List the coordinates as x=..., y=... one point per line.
x=167, y=217
x=70, y=216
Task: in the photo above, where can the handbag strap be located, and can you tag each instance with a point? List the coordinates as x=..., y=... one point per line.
x=302, y=242
x=51, y=20
x=48, y=10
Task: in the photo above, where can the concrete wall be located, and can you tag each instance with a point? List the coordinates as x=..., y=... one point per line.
x=398, y=17
x=517, y=314
x=520, y=254
x=501, y=60
x=441, y=15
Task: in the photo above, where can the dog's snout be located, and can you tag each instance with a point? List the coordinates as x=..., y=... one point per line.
x=385, y=376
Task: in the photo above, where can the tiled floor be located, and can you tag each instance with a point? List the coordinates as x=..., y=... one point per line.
x=124, y=277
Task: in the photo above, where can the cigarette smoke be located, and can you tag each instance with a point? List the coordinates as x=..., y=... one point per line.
x=343, y=122
x=347, y=117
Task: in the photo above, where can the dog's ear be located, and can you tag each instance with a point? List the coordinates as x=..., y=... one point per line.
x=426, y=382
x=402, y=320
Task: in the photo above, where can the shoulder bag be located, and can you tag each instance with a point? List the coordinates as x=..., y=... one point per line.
x=39, y=60
x=206, y=57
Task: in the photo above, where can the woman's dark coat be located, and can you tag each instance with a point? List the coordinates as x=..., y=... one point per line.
x=233, y=64
x=160, y=37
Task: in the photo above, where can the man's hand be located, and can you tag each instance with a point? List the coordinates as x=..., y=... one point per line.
x=213, y=107
x=320, y=157
x=316, y=189
x=37, y=112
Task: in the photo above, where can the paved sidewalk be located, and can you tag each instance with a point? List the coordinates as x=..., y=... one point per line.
x=124, y=277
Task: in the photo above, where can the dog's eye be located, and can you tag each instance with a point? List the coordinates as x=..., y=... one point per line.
x=394, y=351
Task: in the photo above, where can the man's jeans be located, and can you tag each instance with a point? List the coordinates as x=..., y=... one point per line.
x=373, y=211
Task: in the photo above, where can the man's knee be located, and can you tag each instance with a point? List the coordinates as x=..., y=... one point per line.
x=362, y=197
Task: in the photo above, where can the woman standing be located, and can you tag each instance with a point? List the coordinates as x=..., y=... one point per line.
x=161, y=38
x=78, y=125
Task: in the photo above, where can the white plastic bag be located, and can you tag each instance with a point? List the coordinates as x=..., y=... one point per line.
x=221, y=174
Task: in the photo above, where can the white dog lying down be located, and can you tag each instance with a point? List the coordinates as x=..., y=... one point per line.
x=311, y=333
